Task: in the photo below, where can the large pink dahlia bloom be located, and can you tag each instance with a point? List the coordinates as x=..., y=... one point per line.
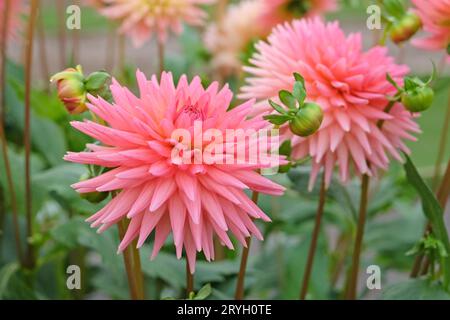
x=141, y=18
x=159, y=192
x=16, y=9
x=348, y=83
x=435, y=15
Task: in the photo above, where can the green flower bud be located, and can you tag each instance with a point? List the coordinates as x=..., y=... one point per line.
x=448, y=49
x=307, y=120
x=405, y=28
x=419, y=99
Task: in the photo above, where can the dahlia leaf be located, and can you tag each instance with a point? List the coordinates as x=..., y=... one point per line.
x=394, y=8
x=287, y=99
x=277, y=119
x=97, y=80
x=277, y=107
x=204, y=292
x=298, y=77
x=286, y=148
x=299, y=92
x=433, y=211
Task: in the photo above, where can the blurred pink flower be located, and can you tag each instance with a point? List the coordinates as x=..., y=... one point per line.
x=194, y=201
x=349, y=84
x=141, y=18
x=16, y=9
x=435, y=15
x=227, y=41
x=251, y=20
x=278, y=11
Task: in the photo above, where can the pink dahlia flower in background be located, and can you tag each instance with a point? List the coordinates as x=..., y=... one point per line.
x=141, y=18
x=435, y=16
x=16, y=9
x=278, y=11
x=159, y=193
x=227, y=41
x=252, y=20
x=349, y=84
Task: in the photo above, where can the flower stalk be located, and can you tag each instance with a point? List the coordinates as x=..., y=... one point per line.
x=189, y=280
x=239, y=294
x=30, y=254
x=442, y=145
x=353, y=282
x=314, y=238
x=3, y=141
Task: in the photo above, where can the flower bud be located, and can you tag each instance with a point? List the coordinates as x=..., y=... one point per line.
x=307, y=120
x=92, y=197
x=405, y=28
x=419, y=99
x=71, y=89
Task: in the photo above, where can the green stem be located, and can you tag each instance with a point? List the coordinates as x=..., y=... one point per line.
x=315, y=237
x=442, y=145
x=189, y=280
x=61, y=9
x=239, y=294
x=30, y=258
x=127, y=260
x=353, y=283
x=137, y=271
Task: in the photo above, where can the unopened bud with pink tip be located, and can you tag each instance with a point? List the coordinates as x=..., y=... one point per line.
x=403, y=29
x=73, y=87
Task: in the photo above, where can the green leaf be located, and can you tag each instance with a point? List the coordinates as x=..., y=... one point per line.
x=277, y=107
x=298, y=77
x=417, y=289
x=394, y=8
x=299, y=92
x=97, y=80
x=277, y=119
x=6, y=273
x=287, y=99
x=204, y=292
x=433, y=212
x=46, y=136
x=286, y=148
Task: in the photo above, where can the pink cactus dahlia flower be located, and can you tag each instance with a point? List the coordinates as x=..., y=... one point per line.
x=158, y=192
x=141, y=18
x=435, y=15
x=348, y=83
x=16, y=8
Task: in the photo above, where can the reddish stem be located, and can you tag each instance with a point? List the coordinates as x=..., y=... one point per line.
x=30, y=259
x=3, y=141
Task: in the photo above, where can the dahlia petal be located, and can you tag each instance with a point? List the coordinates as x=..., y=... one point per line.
x=163, y=190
